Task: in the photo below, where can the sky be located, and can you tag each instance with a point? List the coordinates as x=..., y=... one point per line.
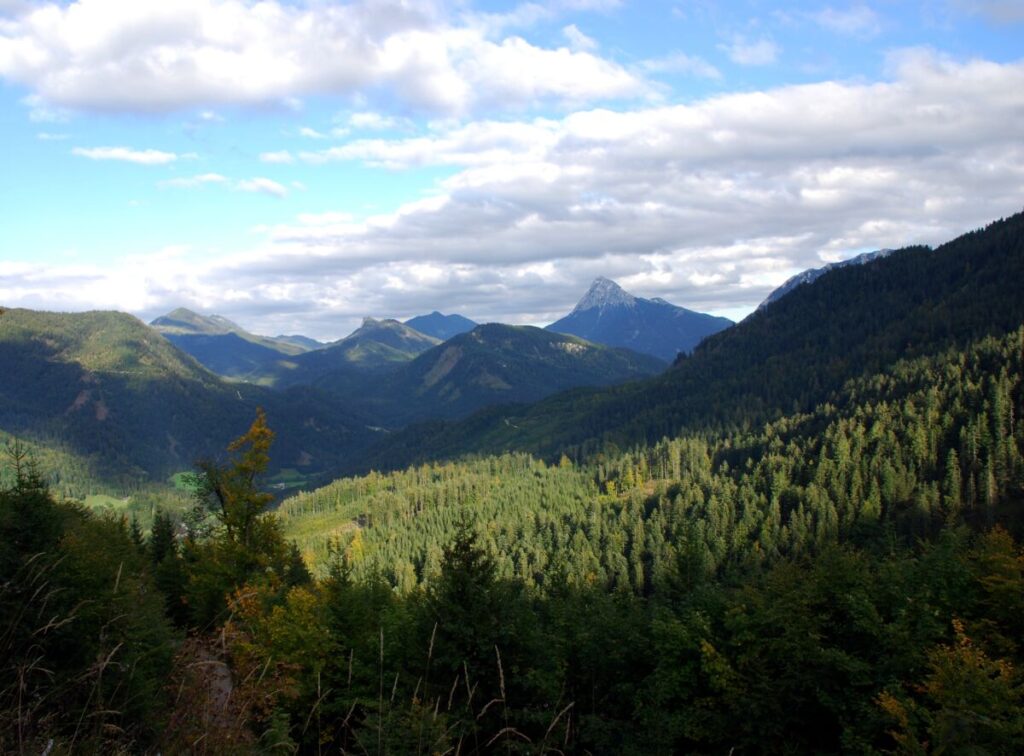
x=296, y=165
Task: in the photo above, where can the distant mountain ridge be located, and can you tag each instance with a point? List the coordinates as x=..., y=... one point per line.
x=607, y=314
x=813, y=274
x=300, y=341
x=498, y=364
x=225, y=347
x=441, y=326
x=184, y=322
x=402, y=338
x=376, y=346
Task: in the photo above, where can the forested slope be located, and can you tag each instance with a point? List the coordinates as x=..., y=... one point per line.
x=826, y=583
x=497, y=364
x=110, y=391
x=929, y=439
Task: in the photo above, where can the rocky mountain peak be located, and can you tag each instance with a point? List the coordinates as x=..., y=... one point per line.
x=604, y=293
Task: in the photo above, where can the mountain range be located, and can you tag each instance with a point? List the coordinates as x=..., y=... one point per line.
x=803, y=536
x=605, y=315
x=125, y=403
x=132, y=406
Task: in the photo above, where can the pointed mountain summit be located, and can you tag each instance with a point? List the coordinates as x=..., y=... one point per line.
x=608, y=314
x=441, y=326
x=605, y=293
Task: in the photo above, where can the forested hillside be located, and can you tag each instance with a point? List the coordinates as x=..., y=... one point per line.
x=817, y=585
x=850, y=322
x=496, y=364
x=113, y=394
x=930, y=439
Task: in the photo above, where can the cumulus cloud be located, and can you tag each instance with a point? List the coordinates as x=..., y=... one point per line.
x=709, y=205
x=134, y=56
x=370, y=121
x=257, y=185
x=190, y=182
x=261, y=185
x=278, y=157
x=126, y=154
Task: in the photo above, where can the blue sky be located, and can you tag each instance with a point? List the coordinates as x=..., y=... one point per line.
x=296, y=166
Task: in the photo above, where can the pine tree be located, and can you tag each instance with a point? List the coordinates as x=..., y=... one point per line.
x=952, y=485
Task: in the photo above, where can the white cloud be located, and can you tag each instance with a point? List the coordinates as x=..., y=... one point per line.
x=262, y=185
x=46, y=136
x=309, y=133
x=369, y=120
x=279, y=157
x=679, y=62
x=855, y=21
x=257, y=185
x=126, y=154
x=745, y=52
x=577, y=39
x=190, y=182
x=113, y=55
x=708, y=205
